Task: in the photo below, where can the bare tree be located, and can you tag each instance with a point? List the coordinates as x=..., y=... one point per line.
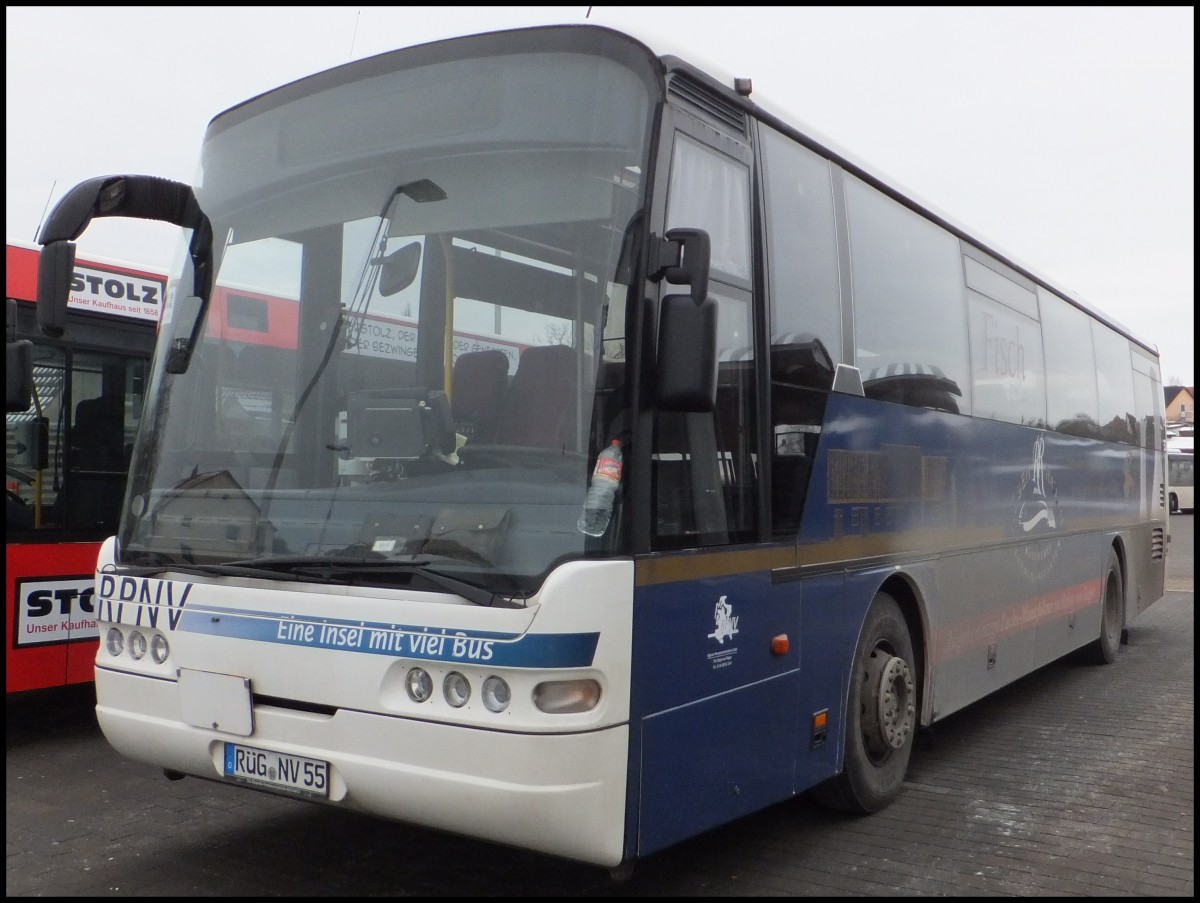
x=558, y=333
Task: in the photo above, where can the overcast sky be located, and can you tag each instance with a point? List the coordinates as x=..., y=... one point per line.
x=1062, y=136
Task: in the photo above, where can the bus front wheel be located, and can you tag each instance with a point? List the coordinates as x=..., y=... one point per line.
x=1112, y=614
x=881, y=713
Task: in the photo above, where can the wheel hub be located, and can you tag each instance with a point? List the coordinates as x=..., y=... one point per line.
x=889, y=707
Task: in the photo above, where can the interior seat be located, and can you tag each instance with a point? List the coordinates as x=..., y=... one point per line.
x=477, y=387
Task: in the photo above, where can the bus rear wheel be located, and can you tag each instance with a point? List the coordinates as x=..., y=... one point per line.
x=1112, y=614
x=881, y=713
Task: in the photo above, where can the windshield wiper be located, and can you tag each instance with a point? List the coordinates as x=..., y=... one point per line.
x=243, y=569
x=328, y=569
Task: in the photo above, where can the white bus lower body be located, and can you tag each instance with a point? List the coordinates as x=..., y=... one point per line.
x=561, y=794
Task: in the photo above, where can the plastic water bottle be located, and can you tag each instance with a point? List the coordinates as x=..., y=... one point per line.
x=598, y=506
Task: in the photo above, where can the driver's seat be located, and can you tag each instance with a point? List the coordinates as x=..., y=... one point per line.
x=477, y=386
x=539, y=407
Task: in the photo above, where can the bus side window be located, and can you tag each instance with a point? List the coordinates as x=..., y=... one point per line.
x=801, y=374
x=805, y=315
x=706, y=464
x=910, y=312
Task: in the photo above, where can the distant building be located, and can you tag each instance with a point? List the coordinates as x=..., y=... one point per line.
x=1181, y=405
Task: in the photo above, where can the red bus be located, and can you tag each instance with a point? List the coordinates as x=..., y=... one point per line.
x=67, y=454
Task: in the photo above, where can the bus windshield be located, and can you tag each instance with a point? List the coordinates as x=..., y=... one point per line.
x=415, y=348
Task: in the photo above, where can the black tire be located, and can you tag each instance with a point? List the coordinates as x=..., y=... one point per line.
x=881, y=715
x=1112, y=614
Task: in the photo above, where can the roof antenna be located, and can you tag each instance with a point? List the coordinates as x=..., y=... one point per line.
x=588, y=15
x=44, y=209
x=354, y=37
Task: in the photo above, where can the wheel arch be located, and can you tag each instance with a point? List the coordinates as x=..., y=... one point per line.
x=1119, y=547
x=905, y=590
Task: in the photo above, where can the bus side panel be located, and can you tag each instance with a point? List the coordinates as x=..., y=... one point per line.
x=51, y=620
x=833, y=617
x=716, y=759
x=1146, y=579
x=1018, y=520
x=717, y=717
x=895, y=478
x=999, y=617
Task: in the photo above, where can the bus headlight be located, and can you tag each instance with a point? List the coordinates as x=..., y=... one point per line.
x=496, y=694
x=456, y=689
x=564, y=697
x=114, y=642
x=137, y=645
x=419, y=684
x=159, y=648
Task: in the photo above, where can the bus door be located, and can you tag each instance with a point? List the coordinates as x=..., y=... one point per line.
x=714, y=707
x=65, y=484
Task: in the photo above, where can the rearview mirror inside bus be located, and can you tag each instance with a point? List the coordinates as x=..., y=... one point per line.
x=398, y=269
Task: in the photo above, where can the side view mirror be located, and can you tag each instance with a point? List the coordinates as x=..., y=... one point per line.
x=56, y=263
x=687, y=355
x=687, y=327
x=141, y=197
x=18, y=376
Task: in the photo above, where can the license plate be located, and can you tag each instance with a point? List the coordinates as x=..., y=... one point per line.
x=278, y=770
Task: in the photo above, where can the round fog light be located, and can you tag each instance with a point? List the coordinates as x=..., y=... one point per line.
x=456, y=689
x=114, y=642
x=137, y=646
x=159, y=649
x=496, y=694
x=419, y=684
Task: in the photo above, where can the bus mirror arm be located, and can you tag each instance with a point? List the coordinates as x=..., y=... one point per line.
x=140, y=197
x=683, y=258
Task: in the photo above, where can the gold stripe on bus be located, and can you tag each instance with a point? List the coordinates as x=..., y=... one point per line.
x=683, y=566
x=865, y=549
x=931, y=543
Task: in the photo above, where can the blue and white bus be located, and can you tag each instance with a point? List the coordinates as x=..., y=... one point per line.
x=872, y=467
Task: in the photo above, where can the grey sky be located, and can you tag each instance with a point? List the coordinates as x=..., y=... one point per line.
x=1063, y=136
